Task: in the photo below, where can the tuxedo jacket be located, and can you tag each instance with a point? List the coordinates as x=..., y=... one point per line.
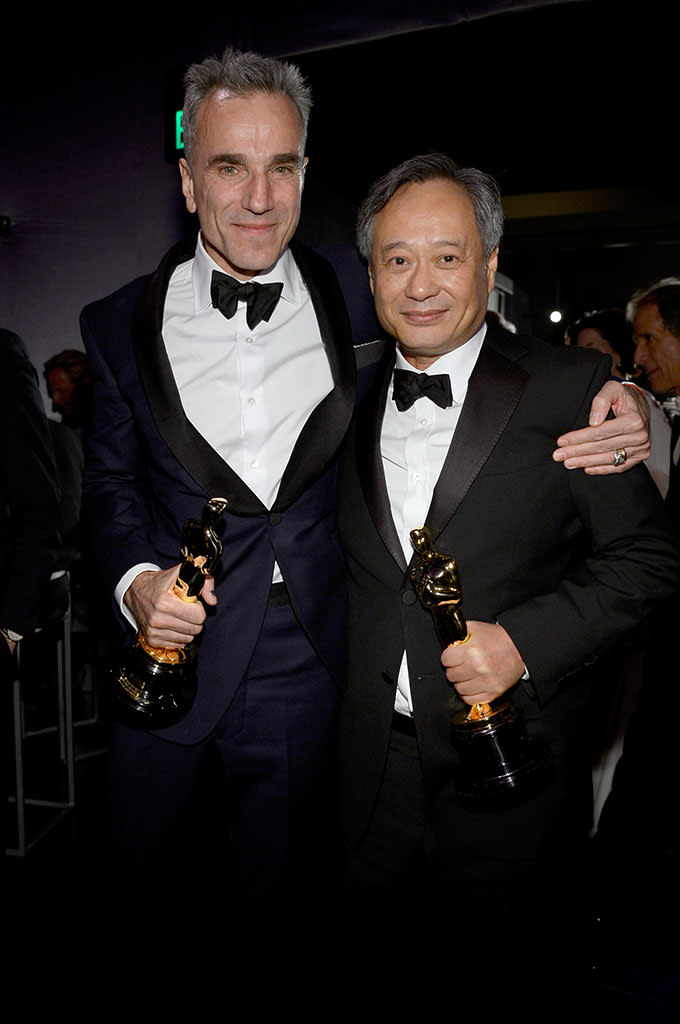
x=564, y=561
x=148, y=470
x=673, y=494
x=29, y=493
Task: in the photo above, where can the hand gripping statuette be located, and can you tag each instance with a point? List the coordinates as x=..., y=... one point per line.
x=156, y=686
x=500, y=765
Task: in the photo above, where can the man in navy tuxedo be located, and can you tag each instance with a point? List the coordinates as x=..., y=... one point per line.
x=189, y=403
x=195, y=397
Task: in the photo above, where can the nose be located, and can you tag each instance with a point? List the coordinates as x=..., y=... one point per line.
x=640, y=353
x=421, y=283
x=257, y=195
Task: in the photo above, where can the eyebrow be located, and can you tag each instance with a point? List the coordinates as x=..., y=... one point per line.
x=440, y=244
x=241, y=159
x=285, y=158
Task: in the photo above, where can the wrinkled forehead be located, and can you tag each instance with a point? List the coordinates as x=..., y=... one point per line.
x=647, y=318
x=430, y=212
x=223, y=108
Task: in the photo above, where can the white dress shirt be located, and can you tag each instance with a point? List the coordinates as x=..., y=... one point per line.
x=248, y=391
x=661, y=460
x=414, y=444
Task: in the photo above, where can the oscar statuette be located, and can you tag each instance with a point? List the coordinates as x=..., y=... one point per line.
x=500, y=764
x=155, y=686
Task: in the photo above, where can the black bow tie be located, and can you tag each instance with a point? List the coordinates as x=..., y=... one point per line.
x=261, y=299
x=408, y=386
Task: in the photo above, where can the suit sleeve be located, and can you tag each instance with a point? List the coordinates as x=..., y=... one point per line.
x=30, y=516
x=115, y=483
x=629, y=561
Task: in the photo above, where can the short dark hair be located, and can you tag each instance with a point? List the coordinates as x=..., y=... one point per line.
x=71, y=360
x=482, y=189
x=242, y=73
x=614, y=326
x=665, y=295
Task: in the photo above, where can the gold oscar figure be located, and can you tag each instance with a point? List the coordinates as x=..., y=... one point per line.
x=156, y=686
x=500, y=764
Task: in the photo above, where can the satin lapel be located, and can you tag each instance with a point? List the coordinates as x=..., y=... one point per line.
x=370, y=465
x=322, y=434
x=198, y=457
x=494, y=389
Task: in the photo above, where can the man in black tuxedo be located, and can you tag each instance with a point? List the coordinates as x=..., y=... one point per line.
x=638, y=833
x=456, y=433
x=655, y=315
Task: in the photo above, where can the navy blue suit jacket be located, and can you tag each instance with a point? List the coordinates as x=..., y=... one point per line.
x=148, y=470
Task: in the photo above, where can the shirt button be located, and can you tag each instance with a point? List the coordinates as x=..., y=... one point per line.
x=249, y=340
x=252, y=401
x=423, y=421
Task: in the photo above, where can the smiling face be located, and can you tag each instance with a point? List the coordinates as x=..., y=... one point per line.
x=657, y=351
x=245, y=179
x=428, y=275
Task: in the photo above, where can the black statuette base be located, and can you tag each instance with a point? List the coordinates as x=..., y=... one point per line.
x=151, y=694
x=501, y=765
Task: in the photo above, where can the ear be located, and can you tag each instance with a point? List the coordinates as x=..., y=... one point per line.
x=371, y=284
x=187, y=185
x=491, y=268
x=302, y=175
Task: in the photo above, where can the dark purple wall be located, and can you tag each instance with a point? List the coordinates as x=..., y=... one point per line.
x=93, y=202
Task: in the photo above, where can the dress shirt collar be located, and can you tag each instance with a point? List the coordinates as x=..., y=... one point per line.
x=459, y=364
x=285, y=269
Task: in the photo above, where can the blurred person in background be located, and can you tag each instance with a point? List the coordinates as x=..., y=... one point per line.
x=610, y=331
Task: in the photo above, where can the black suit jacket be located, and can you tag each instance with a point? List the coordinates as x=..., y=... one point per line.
x=564, y=561
x=673, y=494
x=148, y=470
x=29, y=495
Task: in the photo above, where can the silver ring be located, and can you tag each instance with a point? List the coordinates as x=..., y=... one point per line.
x=620, y=456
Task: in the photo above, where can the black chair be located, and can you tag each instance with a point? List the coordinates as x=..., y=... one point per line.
x=53, y=635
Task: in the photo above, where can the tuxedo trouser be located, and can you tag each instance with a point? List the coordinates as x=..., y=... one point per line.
x=235, y=829
x=410, y=897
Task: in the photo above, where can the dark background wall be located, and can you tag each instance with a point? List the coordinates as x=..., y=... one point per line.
x=568, y=104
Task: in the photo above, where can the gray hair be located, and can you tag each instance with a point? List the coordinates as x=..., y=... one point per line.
x=482, y=189
x=242, y=73
x=665, y=295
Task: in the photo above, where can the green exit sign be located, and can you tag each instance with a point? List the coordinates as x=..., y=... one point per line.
x=173, y=102
x=174, y=136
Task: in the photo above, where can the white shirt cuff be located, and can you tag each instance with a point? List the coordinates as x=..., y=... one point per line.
x=124, y=583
